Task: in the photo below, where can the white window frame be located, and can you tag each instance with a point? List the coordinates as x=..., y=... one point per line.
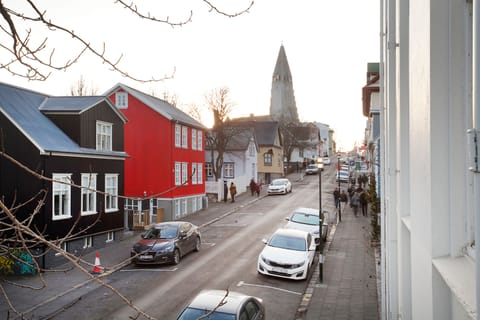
x=121, y=100
x=178, y=173
x=194, y=139
x=199, y=140
x=194, y=173
x=177, y=209
x=104, y=132
x=110, y=236
x=63, y=191
x=87, y=242
x=111, y=192
x=178, y=135
x=88, y=193
x=184, y=173
x=63, y=246
x=184, y=137
x=194, y=204
x=199, y=173
x=184, y=206
x=209, y=169
x=229, y=170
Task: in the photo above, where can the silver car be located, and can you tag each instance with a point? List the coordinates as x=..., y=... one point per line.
x=307, y=219
x=223, y=305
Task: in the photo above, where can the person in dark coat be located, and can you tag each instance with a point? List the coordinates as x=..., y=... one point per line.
x=336, y=197
x=364, y=203
x=233, y=191
x=253, y=186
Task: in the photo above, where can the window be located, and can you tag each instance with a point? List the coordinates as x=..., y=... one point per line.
x=251, y=149
x=121, y=100
x=63, y=246
x=110, y=236
x=267, y=159
x=184, y=206
x=111, y=192
x=177, y=135
x=184, y=137
x=87, y=242
x=61, y=196
x=89, y=196
x=199, y=173
x=194, y=204
x=194, y=173
x=184, y=173
x=178, y=170
x=194, y=139
x=208, y=169
x=228, y=170
x=199, y=141
x=104, y=136
x=177, y=209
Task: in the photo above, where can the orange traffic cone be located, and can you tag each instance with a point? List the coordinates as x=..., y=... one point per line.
x=97, y=268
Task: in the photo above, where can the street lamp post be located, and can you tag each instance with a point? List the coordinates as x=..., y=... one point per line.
x=320, y=216
x=339, y=190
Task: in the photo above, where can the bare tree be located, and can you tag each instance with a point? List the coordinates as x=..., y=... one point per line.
x=221, y=134
x=22, y=54
x=80, y=88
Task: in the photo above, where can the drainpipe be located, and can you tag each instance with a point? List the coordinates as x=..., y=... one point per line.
x=476, y=126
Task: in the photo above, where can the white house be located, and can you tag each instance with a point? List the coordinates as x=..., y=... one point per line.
x=239, y=164
x=430, y=115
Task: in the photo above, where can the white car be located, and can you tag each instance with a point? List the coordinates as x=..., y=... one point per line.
x=307, y=219
x=326, y=161
x=220, y=304
x=289, y=254
x=279, y=186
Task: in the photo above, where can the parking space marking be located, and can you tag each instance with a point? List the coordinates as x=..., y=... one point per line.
x=153, y=270
x=211, y=244
x=241, y=283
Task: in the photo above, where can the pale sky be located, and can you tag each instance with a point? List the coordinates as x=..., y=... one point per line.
x=328, y=45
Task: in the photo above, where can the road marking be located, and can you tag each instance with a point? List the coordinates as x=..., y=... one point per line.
x=154, y=270
x=211, y=244
x=241, y=283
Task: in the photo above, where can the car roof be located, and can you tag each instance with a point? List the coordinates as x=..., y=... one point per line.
x=306, y=210
x=209, y=299
x=292, y=233
x=169, y=224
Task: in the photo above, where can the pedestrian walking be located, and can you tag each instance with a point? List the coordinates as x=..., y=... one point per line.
x=336, y=197
x=253, y=186
x=233, y=191
x=363, y=202
x=354, y=202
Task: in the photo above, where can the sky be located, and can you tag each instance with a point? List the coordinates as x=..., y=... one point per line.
x=328, y=45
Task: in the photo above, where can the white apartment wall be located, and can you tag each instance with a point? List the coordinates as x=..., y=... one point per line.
x=427, y=199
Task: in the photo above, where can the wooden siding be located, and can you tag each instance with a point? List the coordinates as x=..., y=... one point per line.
x=150, y=143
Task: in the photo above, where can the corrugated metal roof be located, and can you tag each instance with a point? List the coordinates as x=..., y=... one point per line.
x=70, y=103
x=161, y=106
x=22, y=107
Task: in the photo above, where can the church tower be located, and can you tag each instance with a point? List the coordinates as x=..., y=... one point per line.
x=282, y=101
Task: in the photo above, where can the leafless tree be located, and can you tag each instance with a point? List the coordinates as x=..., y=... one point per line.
x=23, y=54
x=80, y=88
x=221, y=134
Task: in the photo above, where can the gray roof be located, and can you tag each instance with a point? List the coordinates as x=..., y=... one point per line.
x=161, y=106
x=265, y=130
x=22, y=107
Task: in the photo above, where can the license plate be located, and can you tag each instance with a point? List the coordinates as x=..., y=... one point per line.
x=281, y=270
x=146, y=257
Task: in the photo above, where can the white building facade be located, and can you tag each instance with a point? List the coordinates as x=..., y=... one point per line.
x=429, y=111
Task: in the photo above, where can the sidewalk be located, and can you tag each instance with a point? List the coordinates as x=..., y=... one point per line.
x=349, y=287
x=348, y=291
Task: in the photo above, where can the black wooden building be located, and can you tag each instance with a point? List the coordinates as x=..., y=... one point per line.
x=74, y=147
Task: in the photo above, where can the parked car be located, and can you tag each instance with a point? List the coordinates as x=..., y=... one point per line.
x=227, y=305
x=326, y=161
x=166, y=242
x=307, y=219
x=311, y=169
x=289, y=254
x=279, y=186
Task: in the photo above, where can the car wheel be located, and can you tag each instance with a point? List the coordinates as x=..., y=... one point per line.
x=198, y=244
x=176, y=256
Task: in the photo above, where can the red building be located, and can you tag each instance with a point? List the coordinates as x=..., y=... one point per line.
x=164, y=173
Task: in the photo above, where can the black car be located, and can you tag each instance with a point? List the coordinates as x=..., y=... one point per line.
x=166, y=242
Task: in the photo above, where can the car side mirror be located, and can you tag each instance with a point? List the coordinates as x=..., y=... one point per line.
x=287, y=218
x=264, y=241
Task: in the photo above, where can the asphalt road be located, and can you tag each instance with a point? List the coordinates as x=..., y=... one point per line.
x=227, y=259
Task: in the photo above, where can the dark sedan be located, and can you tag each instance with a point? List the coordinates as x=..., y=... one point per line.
x=166, y=242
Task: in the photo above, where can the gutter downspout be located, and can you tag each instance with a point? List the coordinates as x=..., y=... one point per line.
x=476, y=126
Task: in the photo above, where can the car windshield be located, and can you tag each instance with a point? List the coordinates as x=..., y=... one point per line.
x=193, y=314
x=164, y=232
x=312, y=166
x=287, y=242
x=305, y=218
x=279, y=182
